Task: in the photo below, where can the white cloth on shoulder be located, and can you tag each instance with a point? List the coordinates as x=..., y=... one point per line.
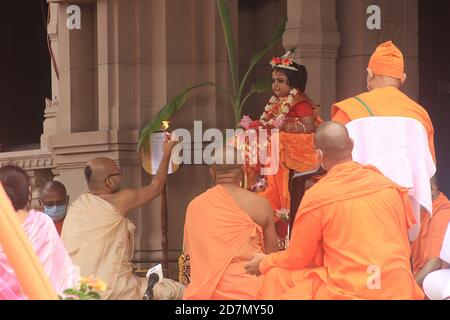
x=398, y=147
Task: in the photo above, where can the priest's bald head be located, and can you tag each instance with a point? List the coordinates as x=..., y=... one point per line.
x=333, y=143
x=103, y=175
x=227, y=166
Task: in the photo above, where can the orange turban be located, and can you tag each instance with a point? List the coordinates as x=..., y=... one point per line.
x=387, y=60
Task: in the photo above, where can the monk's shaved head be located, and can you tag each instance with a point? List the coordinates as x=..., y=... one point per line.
x=227, y=165
x=388, y=81
x=98, y=170
x=226, y=159
x=375, y=81
x=54, y=187
x=333, y=140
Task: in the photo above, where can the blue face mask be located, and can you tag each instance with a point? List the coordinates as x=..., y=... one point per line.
x=57, y=213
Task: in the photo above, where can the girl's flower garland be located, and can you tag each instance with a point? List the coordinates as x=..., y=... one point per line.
x=275, y=112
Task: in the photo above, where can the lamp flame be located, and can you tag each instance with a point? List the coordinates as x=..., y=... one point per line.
x=165, y=125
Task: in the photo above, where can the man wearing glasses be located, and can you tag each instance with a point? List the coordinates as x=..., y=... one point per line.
x=99, y=237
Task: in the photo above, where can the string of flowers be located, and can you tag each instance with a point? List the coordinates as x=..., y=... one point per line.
x=283, y=62
x=86, y=289
x=282, y=214
x=273, y=117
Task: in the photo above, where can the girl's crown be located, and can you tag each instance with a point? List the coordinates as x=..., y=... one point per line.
x=283, y=62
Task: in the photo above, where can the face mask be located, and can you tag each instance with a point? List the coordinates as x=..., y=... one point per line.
x=55, y=212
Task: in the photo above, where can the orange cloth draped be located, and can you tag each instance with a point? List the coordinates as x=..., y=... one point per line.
x=220, y=238
x=296, y=152
x=351, y=224
x=389, y=102
x=432, y=231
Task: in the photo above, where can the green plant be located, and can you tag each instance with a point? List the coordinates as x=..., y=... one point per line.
x=87, y=289
x=236, y=94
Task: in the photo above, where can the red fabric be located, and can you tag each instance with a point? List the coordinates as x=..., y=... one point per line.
x=59, y=225
x=300, y=110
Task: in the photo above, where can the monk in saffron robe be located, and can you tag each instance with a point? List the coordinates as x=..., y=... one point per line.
x=99, y=236
x=225, y=227
x=349, y=239
x=385, y=76
x=427, y=247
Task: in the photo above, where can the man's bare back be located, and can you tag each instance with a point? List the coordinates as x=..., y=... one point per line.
x=259, y=210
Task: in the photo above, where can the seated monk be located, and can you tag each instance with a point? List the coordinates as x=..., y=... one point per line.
x=225, y=227
x=350, y=235
x=427, y=247
x=99, y=237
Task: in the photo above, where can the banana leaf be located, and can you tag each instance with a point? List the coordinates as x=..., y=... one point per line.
x=235, y=95
x=260, y=86
x=225, y=17
x=256, y=57
x=168, y=110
